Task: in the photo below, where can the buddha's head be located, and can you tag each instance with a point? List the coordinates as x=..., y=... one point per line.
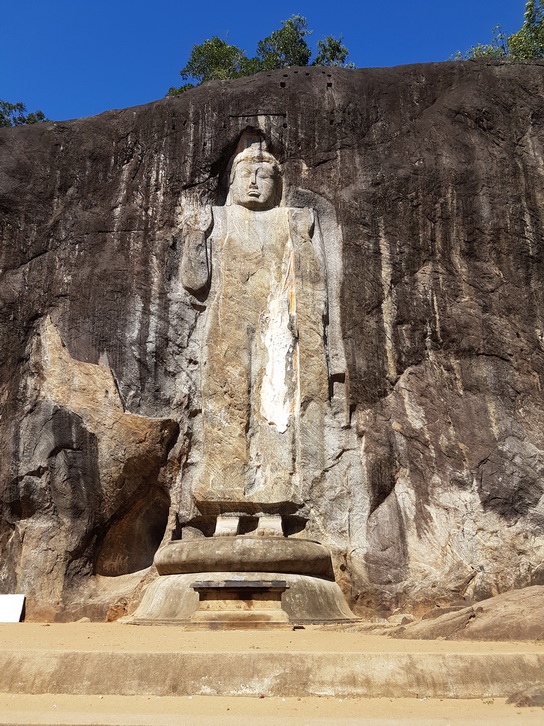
x=255, y=180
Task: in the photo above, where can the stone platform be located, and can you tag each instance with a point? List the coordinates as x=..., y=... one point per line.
x=115, y=659
x=309, y=593
x=172, y=599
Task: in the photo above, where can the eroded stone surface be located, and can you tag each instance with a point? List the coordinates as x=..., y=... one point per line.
x=533, y=697
x=515, y=615
x=428, y=185
x=90, y=503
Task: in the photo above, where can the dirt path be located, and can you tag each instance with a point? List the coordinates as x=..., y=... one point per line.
x=206, y=710
x=118, y=636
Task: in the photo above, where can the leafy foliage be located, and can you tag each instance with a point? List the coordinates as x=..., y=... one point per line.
x=526, y=44
x=286, y=46
x=497, y=48
x=14, y=114
x=331, y=52
x=215, y=59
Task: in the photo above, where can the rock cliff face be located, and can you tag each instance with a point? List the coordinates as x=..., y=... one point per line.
x=428, y=182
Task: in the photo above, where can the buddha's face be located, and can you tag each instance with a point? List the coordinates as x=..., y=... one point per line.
x=254, y=185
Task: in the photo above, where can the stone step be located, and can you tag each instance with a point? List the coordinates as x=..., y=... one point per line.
x=278, y=674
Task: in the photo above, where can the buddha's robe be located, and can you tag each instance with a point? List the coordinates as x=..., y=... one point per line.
x=263, y=368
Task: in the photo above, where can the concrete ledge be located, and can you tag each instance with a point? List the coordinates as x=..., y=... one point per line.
x=284, y=674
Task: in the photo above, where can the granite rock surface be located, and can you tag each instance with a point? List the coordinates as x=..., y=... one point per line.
x=514, y=615
x=428, y=183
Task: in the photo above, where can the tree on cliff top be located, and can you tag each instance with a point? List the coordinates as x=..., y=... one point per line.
x=215, y=59
x=14, y=114
x=526, y=44
x=285, y=47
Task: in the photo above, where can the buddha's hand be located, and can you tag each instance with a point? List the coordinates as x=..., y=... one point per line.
x=197, y=217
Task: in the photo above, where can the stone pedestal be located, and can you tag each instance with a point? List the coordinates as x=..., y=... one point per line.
x=310, y=594
x=245, y=554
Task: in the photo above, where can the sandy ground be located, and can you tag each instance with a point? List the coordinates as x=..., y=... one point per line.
x=118, y=636
x=206, y=710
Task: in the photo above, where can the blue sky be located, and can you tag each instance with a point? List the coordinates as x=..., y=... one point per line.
x=74, y=58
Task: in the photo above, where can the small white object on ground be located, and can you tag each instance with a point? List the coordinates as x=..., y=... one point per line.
x=11, y=608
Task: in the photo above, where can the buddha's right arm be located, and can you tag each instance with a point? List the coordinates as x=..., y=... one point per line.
x=195, y=261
